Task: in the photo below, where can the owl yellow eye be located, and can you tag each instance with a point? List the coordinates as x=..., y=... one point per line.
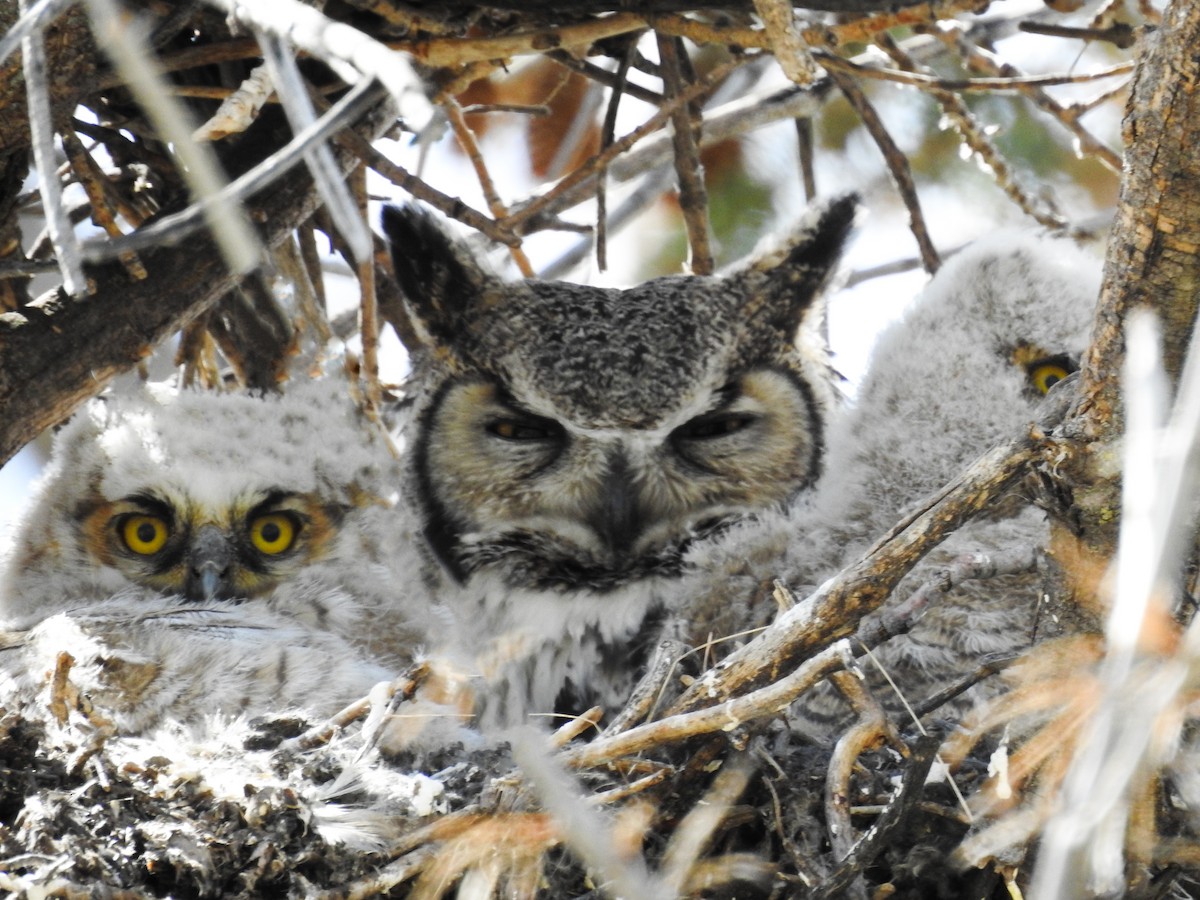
x=272, y=534
x=144, y=535
x=1044, y=375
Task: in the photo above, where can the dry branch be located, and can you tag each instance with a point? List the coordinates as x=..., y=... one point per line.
x=833, y=612
x=689, y=172
x=897, y=166
x=58, y=352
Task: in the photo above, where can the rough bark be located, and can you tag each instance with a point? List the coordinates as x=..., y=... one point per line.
x=59, y=351
x=1153, y=260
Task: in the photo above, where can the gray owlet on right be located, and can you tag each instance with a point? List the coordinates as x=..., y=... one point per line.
x=963, y=370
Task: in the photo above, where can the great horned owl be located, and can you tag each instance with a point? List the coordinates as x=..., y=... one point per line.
x=212, y=552
x=567, y=443
x=963, y=370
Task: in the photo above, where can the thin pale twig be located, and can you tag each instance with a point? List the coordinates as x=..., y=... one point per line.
x=834, y=610
x=693, y=835
x=973, y=135
x=41, y=134
x=352, y=54
x=582, y=828
x=125, y=43
x=327, y=176
x=966, y=85
x=768, y=701
x=34, y=17
x=576, y=726
x=650, y=688
x=175, y=228
x=982, y=60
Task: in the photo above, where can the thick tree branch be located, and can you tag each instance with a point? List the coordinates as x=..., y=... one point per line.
x=1153, y=260
x=834, y=611
x=57, y=352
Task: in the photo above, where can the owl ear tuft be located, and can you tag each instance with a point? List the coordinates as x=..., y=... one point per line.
x=782, y=286
x=439, y=278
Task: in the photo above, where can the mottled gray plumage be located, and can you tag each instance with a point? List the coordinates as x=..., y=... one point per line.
x=206, y=553
x=962, y=371
x=567, y=443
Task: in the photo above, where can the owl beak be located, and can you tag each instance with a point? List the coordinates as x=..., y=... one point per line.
x=208, y=565
x=618, y=518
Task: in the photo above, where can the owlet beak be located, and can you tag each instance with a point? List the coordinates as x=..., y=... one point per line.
x=209, y=563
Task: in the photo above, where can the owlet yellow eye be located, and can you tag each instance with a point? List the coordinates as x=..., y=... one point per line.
x=144, y=535
x=1046, y=375
x=272, y=534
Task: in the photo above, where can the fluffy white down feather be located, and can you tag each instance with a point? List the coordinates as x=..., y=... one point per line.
x=317, y=641
x=942, y=388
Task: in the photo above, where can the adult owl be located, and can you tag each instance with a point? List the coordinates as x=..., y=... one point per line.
x=212, y=552
x=963, y=369
x=567, y=443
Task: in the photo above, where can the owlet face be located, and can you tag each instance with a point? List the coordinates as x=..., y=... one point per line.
x=241, y=546
x=197, y=495
x=571, y=436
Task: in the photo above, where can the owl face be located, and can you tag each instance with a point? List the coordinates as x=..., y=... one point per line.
x=579, y=437
x=240, y=547
x=200, y=495
x=610, y=502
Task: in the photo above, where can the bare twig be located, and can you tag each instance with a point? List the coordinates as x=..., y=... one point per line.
x=1014, y=84
x=466, y=140
x=450, y=52
x=870, y=844
x=983, y=60
x=41, y=133
x=576, y=726
x=582, y=828
x=869, y=731
x=694, y=833
x=34, y=18
x=95, y=185
x=804, y=150
x=785, y=40
x=650, y=688
x=352, y=54
x=727, y=716
x=897, y=165
x=172, y=229
x=834, y=610
x=614, y=80
x=685, y=130
x=293, y=96
x=607, y=133
x=582, y=177
x=127, y=45
x=988, y=153
x=1119, y=34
